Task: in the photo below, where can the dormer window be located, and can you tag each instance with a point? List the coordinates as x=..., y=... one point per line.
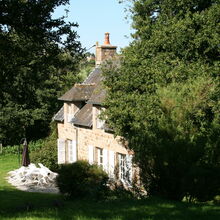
x=70, y=113
x=99, y=122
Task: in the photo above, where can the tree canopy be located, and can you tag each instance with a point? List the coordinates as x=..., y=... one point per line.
x=163, y=98
x=39, y=58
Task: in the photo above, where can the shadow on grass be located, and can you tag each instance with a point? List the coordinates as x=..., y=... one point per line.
x=13, y=200
x=24, y=205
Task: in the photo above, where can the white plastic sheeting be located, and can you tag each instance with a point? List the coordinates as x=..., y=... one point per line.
x=34, y=179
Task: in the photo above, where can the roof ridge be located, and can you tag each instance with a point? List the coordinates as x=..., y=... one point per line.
x=83, y=85
x=89, y=75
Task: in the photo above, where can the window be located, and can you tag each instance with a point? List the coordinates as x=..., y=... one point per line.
x=70, y=114
x=66, y=151
x=121, y=166
x=99, y=122
x=71, y=151
x=100, y=157
x=125, y=168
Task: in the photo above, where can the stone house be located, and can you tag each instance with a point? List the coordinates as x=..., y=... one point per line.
x=82, y=135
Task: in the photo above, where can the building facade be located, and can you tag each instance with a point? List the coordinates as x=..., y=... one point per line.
x=82, y=135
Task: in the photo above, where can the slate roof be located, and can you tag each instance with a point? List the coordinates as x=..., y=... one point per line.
x=91, y=92
x=84, y=116
x=94, y=77
x=98, y=95
x=59, y=116
x=79, y=92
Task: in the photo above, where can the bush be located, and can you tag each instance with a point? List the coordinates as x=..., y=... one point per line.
x=82, y=180
x=120, y=191
x=47, y=154
x=203, y=183
x=32, y=146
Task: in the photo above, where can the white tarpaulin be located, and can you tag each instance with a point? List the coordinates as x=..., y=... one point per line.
x=34, y=179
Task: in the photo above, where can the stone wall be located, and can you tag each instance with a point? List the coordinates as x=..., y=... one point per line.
x=104, y=52
x=85, y=137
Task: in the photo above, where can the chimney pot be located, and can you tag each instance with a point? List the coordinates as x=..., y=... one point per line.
x=107, y=41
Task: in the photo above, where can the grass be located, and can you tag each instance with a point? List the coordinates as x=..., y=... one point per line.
x=18, y=205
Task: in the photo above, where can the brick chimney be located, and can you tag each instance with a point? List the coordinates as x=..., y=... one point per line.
x=105, y=51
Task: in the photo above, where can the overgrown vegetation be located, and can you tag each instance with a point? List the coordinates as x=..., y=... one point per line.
x=164, y=97
x=47, y=153
x=82, y=180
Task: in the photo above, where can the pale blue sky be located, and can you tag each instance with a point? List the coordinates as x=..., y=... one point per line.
x=95, y=17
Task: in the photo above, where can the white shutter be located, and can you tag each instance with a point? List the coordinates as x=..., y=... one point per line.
x=70, y=151
x=128, y=168
x=74, y=158
x=61, y=151
x=111, y=164
x=105, y=160
x=91, y=154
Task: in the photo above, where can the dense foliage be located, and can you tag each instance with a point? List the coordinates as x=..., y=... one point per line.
x=39, y=57
x=164, y=97
x=47, y=152
x=82, y=180
x=86, y=65
x=32, y=146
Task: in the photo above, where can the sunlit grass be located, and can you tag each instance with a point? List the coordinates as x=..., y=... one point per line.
x=18, y=205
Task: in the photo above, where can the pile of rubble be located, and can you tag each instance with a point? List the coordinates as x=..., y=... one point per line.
x=34, y=179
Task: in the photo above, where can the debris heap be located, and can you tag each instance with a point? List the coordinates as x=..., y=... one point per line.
x=34, y=179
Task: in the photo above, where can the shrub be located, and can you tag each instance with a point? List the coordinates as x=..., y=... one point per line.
x=203, y=183
x=47, y=154
x=32, y=146
x=82, y=180
x=120, y=191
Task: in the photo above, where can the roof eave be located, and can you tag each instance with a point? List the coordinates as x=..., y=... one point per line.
x=84, y=125
x=94, y=102
x=73, y=100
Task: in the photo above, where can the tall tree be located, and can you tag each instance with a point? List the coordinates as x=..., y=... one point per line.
x=39, y=56
x=164, y=96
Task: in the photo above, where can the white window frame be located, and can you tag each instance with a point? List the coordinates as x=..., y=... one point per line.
x=122, y=166
x=99, y=122
x=71, y=150
x=129, y=168
x=67, y=151
x=100, y=157
x=125, y=168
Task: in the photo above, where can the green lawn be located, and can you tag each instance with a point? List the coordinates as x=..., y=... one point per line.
x=15, y=204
